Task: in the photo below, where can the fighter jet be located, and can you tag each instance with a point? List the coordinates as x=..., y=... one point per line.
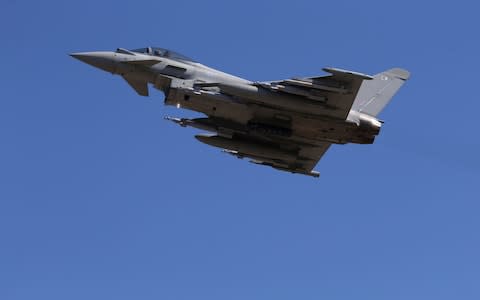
x=285, y=124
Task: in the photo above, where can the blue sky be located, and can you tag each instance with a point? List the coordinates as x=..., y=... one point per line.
x=100, y=198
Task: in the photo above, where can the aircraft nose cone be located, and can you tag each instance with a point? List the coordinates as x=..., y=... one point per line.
x=101, y=60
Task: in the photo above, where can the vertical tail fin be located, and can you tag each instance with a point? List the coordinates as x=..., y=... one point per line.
x=375, y=94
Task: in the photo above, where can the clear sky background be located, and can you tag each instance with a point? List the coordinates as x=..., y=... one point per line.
x=100, y=198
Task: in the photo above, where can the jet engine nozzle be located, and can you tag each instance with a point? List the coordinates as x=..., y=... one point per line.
x=369, y=123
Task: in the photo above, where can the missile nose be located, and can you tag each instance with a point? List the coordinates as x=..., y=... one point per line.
x=101, y=60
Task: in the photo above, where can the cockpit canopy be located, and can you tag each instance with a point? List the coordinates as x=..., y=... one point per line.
x=161, y=52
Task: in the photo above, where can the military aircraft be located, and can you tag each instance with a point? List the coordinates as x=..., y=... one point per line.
x=285, y=124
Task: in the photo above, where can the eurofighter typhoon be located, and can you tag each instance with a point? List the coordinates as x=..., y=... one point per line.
x=286, y=124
